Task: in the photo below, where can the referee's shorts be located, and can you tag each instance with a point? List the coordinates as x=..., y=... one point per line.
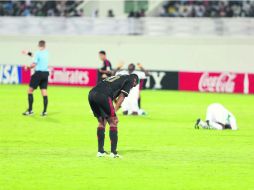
x=39, y=78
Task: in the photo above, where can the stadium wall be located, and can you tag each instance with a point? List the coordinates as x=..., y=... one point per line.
x=212, y=54
x=205, y=64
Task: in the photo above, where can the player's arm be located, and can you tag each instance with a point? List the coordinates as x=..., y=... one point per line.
x=105, y=70
x=119, y=102
x=124, y=93
x=143, y=69
x=28, y=53
x=30, y=66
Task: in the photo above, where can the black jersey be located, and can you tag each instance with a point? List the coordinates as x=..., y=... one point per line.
x=113, y=86
x=107, y=66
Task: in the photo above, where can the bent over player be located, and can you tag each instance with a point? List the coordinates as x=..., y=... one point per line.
x=39, y=78
x=101, y=100
x=217, y=117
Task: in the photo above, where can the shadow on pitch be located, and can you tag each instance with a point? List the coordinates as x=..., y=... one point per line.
x=131, y=151
x=48, y=118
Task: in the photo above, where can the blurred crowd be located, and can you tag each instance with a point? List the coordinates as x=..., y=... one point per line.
x=40, y=8
x=137, y=14
x=206, y=8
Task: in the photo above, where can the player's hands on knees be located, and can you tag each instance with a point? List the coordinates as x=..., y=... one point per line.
x=114, y=120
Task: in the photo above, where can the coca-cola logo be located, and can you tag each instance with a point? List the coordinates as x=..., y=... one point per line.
x=223, y=82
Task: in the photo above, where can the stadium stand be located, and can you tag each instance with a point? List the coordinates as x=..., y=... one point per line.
x=40, y=8
x=190, y=8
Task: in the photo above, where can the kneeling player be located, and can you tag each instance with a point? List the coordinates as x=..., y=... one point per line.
x=217, y=117
x=101, y=101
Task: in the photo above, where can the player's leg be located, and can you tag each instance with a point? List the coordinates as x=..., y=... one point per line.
x=134, y=102
x=125, y=106
x=44, y=92
x=30, y=102
x=109, y=112
x=101, y=136
x=209, y=118
x=214, y=125
x=232, y=122
x=34, y=82
x=113, y=134
x=93, y=98
x=202, y=124
x=30, y=99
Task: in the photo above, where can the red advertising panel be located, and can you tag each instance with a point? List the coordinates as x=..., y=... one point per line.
x=68, y=76
x=225, y=82
x=251, y=83
x=25, y=75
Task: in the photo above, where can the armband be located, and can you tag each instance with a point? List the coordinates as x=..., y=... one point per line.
x=30, y=54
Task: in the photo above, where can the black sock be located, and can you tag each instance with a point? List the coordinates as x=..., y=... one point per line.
x=101, y=137
x=30, y=102
x=113, y=138
x=139, y=103
x=45, y=103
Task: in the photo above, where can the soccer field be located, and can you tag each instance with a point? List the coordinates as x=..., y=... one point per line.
x=160, y=151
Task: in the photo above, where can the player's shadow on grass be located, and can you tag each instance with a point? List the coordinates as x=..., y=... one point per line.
x=133, y=151
x=48, y=118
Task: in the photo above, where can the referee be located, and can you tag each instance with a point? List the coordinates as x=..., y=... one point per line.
x=39, y=78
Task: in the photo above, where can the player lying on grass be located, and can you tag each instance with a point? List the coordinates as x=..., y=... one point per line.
x=217, y=117
x=131, y=104
x=39, y=78
x=101, y=99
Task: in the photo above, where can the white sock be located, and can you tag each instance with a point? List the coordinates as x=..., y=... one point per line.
x=203, y=124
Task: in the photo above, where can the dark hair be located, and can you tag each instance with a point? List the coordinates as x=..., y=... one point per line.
x=102, y=52
x=132, y=76
x=42, y=43
x=133, y=65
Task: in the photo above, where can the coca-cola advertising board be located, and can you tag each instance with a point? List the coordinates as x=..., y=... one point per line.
x=68, y=76
x=224, y=82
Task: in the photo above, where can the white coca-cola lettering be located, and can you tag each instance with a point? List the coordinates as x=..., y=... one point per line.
x=223, y=82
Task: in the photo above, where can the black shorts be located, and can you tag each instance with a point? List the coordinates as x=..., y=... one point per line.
x=39, y=78
x=101, y=105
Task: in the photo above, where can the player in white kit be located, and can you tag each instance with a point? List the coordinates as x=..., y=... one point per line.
x=217, y=117
x=130, y=104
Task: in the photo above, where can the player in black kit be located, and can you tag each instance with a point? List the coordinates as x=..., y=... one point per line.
x=101, y=99
x=106, y=70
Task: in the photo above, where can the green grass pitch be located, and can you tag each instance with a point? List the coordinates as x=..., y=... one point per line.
x=160, y=151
